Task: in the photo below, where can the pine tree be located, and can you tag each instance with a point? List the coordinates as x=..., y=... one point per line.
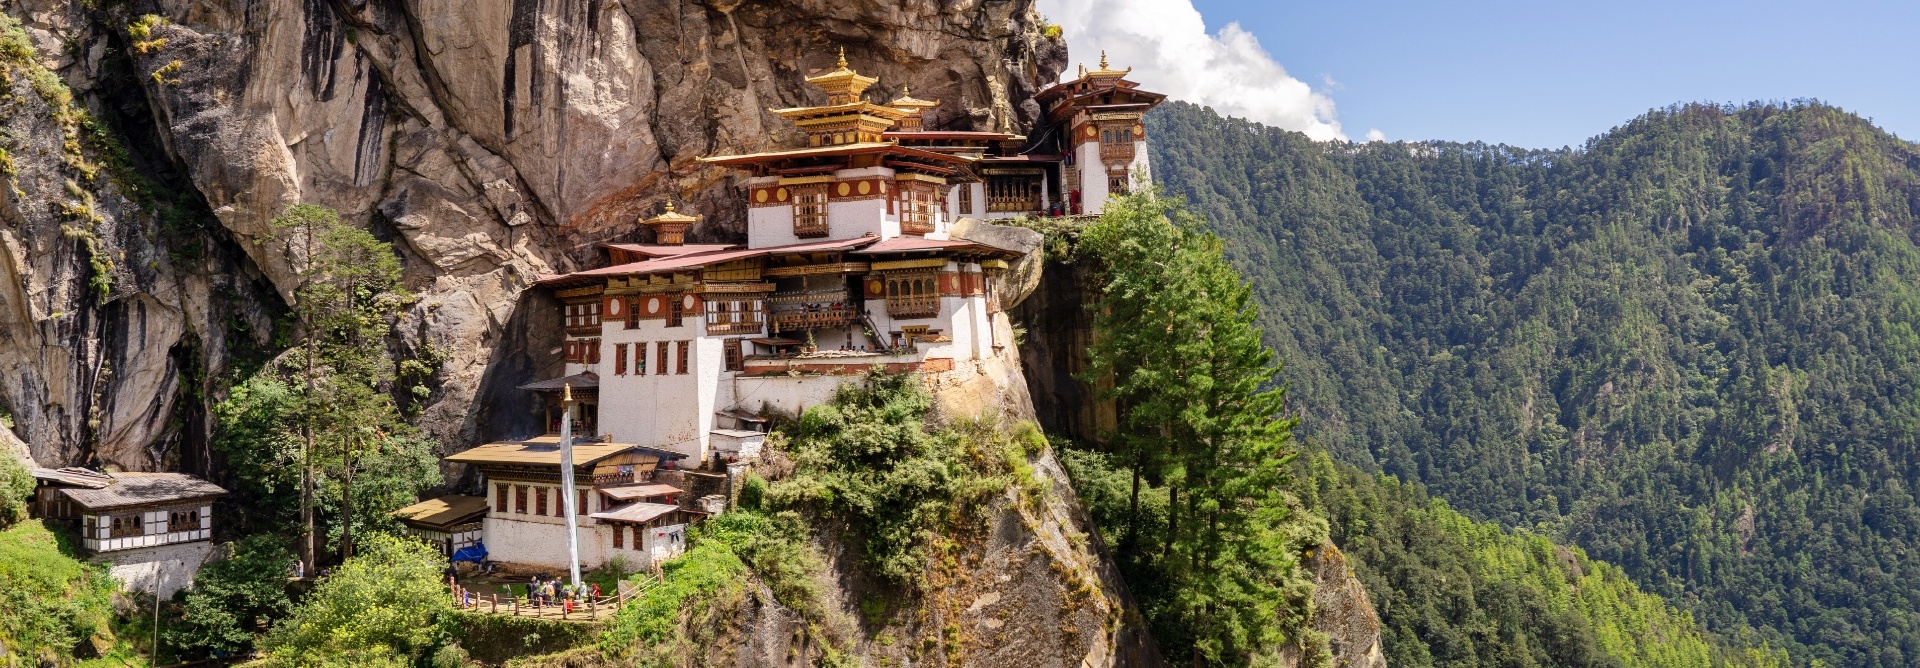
x=1177, y=343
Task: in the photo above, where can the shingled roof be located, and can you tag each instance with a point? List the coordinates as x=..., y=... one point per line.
x=144, y=489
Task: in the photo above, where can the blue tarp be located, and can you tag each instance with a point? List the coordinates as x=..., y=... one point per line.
x=475, y=553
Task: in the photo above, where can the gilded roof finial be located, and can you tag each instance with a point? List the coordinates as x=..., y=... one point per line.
x=843, y=58
x=1103, y=59
x=566, y=393
x=669, y=206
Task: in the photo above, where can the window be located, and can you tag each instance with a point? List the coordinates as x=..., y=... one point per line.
x=620, y=359
x=633, y=312
x=500, y=498
x=592, y=352
x=583, y=315
x=1116, y=143
x=580, y=502
x=618, y=531
x=734, y=356
x=664, y=351
x=734, y=317
x=675, y=312
x=1015, y=193
x=539, y=500
x=520, y=499
x=640, y=359
x=127, y=525
x=916, y=208
x=1116, y=185
x=680, y=366
x=913, y=295
x=810, y=211
x=183, y=520
x=964, y=207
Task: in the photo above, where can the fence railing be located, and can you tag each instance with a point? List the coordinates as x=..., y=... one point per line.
x=586, y=608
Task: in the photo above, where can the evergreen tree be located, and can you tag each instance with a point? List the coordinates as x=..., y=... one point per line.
x=325, y=413
x=1176, y=334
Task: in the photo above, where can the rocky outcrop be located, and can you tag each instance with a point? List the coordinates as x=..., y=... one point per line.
x=493, y=141
x=1342, y=611
x=105, y=322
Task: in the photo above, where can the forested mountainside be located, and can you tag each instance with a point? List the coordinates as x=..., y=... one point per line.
x=1688, y=347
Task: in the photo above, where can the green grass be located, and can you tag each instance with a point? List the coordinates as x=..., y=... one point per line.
x=706, y=573
x=54, y=601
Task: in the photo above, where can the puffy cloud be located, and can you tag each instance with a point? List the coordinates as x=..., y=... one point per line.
x=1376, y=135
x=1167, y=45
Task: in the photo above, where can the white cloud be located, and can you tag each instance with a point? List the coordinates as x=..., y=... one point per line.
x=1167, y=45
x=1376, y=135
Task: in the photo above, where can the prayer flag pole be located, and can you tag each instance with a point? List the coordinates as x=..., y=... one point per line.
x=567, y=491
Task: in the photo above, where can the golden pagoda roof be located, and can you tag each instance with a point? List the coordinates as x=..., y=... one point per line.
x=842, y=84
x=670, y=217
x=834, y=151
x=859, y=107
x=908, y=101
x=1103, y=71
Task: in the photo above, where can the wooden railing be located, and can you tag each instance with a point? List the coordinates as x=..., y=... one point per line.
x=811, y=310
x=587, y=608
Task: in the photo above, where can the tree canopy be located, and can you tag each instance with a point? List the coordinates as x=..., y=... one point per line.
x=1688, y=347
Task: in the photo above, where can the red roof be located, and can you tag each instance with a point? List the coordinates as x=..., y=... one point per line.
x=657, y=250
x=944, y=134
x=817, y=246
x=910, y=244
x=702, y=259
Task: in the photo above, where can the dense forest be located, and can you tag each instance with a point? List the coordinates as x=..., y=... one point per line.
x=1689, y=347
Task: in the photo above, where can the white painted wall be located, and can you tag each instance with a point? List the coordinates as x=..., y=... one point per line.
x=1139, y=173
x=1093, y=177
x=785, y=394
x=671, y=411
x=171, y=568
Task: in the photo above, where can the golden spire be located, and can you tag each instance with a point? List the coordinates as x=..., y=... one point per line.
x=1104, y=70
x=566, y=393
x=842, y=84
x=670, y=227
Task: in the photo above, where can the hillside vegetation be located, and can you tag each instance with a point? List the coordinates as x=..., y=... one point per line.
x=1449, y=591
x=57, y=608
x=1688, y=347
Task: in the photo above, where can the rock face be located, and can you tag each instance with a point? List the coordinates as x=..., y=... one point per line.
x=493, y=141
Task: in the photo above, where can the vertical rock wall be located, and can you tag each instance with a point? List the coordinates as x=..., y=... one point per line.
x=493, y=141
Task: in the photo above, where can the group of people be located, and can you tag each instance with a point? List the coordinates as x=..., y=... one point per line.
x=545, y=591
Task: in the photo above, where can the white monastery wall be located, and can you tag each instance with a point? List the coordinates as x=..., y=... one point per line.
x=1093, y=176
x=170, y=568
x=1139, y=173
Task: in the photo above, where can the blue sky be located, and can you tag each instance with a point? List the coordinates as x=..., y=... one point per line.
x=1536, y=74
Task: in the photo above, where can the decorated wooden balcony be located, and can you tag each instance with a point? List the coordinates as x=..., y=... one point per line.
x=817, y=309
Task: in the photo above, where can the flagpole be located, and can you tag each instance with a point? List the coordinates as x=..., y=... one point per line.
x=567, y=492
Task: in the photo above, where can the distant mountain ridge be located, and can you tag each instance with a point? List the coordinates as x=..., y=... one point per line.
x=1689, y=347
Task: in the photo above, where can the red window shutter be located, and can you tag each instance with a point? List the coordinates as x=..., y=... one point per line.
x=620, y=359
x=681, y=366
x=500, y=502
x=617, y=530
x=539, y=500
x=520, y=499
x=664, y=351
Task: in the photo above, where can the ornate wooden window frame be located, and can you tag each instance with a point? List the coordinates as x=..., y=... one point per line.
x=810, y=211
